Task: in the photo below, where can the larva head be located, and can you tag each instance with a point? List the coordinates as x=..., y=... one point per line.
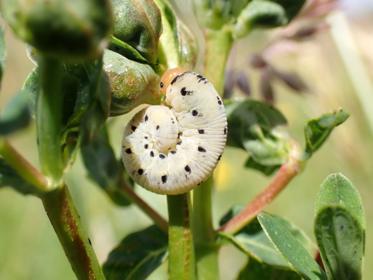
x=168, y=77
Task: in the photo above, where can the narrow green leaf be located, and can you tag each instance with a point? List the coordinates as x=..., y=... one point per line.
x=340, y=228
x=10, y=178
x=253, y=241
x=252, y=127
x=137, y=256
x=178, y=44
x=290, y=248
x=103, y=167
x=255, y=270
x=318, y=130
x=17, y=114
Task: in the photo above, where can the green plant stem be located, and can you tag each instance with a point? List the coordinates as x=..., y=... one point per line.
x=217, y=49
x=181, y=263
x=49, y=110
x=279, y=182
x=145, y=207
x=203, y=232
x=23, y=167
x=65, y=220
x=62, y=214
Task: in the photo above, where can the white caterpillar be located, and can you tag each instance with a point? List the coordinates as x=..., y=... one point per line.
x=173, y=148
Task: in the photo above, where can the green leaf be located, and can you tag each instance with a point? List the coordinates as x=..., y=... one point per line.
x=252, y=127
x=131, y=83
x=291, y=249
x=137, y=23
x=340, y=228
x=103, y=167
x=2, y=52
x=253, y=241
x=137, y=256
x=255, y=270
x=265, y=13
x=17, y=114
x=318, y=130
x=178, y=44
x=85, y=104
x=71, y=29
x=10, y=178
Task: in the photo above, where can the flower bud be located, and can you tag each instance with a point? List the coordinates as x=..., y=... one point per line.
x=138, y=23
x=69, y=28
x=131, y=83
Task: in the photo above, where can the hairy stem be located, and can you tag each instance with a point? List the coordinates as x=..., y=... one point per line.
x=181, y=264
x=145, y=207
x=49, y=119
x=65, y=220
x=282, y=178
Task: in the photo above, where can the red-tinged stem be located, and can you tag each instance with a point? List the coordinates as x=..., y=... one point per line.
x=282, y=178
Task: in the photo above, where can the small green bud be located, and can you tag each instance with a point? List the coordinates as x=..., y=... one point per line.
x=69, y=28
x=132, y=83
x=138, y=23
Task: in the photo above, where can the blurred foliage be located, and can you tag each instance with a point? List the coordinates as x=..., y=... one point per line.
x=237, y=190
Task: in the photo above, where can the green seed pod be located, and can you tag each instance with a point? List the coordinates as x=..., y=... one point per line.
x=131, y=83
x=138, y=23
x=69, y=28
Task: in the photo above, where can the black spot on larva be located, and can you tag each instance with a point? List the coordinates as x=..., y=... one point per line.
x=162, y=156
x=201, y=149
x=219, y=100
x=89, y=241
x=187, y=169
x=157, y=127
x=146, y=146
x=146, y=137
x=179, y=143
x=140, y=171
x=175, y=79
x=164, y=179
x=151, y=153
x=201, y=131
x=161, y=84
x=225, y=130
x=201, y=78
x=179, y=134
x=219, y=157
x=128, y=151
x=146, y=118
x=194, y=112
x=173, y=152
x=133, y=127
x=184, y=91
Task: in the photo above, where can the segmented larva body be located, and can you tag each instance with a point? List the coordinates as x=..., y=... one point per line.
x=171, y=148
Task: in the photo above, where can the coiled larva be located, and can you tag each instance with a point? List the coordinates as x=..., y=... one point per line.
x=171, y=148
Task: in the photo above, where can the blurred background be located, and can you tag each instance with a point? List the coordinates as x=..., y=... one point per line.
x=336, y=64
